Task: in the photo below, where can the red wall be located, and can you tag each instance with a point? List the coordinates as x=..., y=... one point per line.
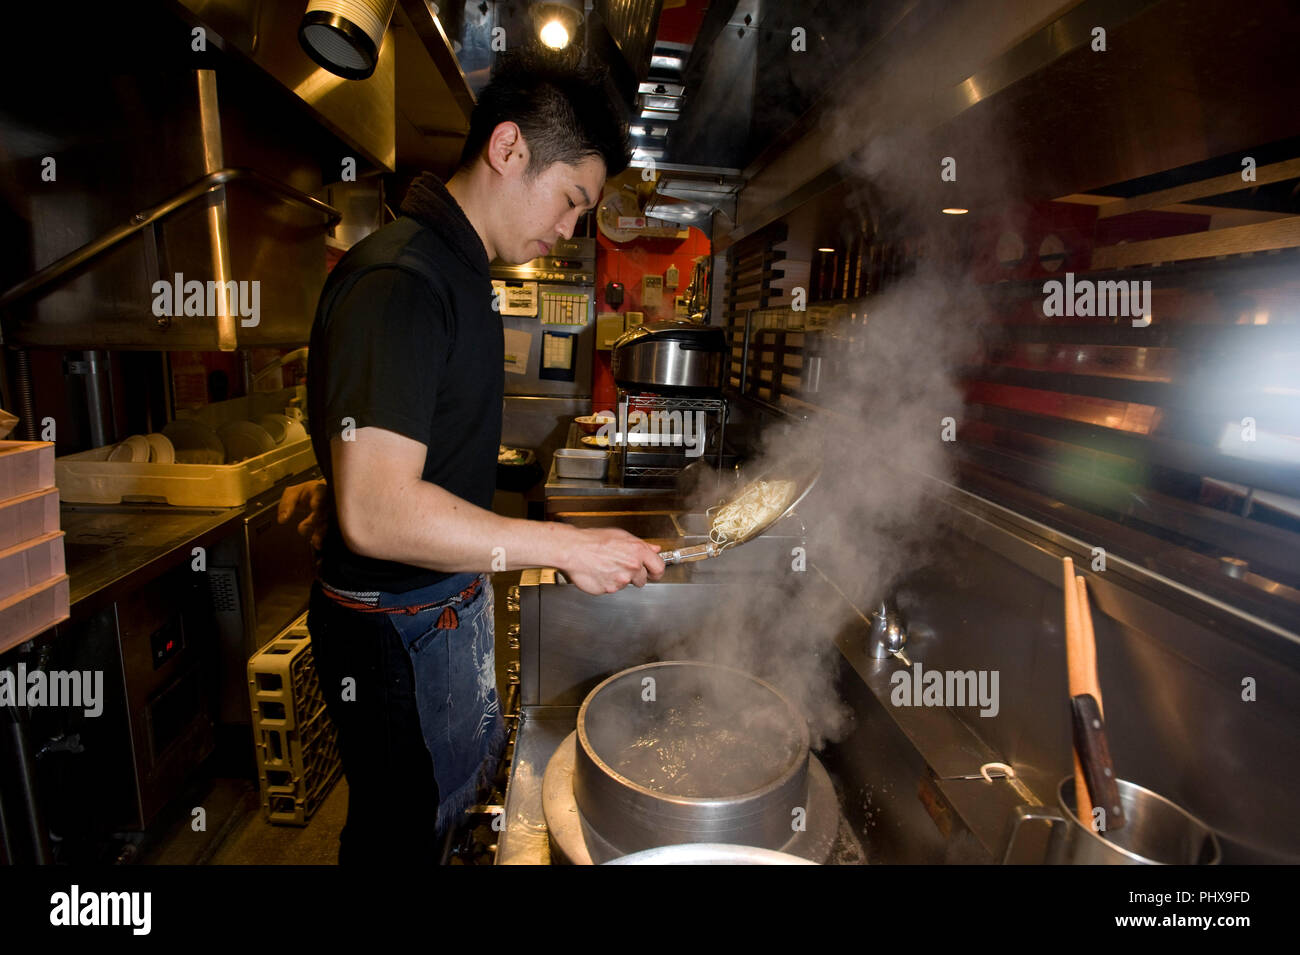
x=679, y=21
x=628, y=263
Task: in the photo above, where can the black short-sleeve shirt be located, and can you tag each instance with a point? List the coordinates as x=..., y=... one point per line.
x=405, y=339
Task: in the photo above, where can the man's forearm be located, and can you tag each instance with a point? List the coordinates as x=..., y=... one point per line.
x=427, y=526
x=386, y=510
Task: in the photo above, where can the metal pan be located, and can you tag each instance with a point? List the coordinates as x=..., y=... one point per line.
x=804, y=481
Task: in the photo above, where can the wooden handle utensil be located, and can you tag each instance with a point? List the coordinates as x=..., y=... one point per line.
x=1094, y=775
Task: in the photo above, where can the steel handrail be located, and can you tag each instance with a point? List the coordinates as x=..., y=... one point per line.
x=142, y=220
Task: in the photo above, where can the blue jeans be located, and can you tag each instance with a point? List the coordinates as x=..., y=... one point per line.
x=422, y=727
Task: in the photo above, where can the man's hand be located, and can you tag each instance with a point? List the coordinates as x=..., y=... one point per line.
x=309, y=504
x=605, y=560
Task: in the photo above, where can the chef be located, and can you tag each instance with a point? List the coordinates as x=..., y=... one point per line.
x=405, y=391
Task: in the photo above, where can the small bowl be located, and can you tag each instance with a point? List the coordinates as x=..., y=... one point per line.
x=592, y=423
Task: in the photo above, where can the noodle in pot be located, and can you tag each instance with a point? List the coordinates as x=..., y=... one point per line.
x=760, y=503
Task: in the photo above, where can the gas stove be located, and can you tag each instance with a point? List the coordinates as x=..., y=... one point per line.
x=569, y=642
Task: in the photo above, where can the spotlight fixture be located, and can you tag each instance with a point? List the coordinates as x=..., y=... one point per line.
x=557, y=22
x=344, y=36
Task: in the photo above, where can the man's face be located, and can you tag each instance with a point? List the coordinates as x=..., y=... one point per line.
x=538, y=211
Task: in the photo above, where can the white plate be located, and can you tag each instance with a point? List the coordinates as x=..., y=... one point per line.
x=243, y=440
x=134, y=449
x=161, y=450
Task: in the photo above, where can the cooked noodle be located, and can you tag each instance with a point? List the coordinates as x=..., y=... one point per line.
x=760, y=503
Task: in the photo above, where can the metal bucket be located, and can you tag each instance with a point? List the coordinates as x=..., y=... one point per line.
x=1157, y=832
x=714, y=789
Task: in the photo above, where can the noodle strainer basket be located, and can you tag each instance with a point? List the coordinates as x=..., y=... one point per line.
x=803, y=483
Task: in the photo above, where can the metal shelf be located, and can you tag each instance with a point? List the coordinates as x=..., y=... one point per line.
x=662, y=402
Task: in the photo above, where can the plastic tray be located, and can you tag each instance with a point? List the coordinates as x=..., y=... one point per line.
x=31, y=564
x=25, y=466
x=25, y=518
x=90, y=478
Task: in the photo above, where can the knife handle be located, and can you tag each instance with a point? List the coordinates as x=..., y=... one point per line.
x=1094, y=754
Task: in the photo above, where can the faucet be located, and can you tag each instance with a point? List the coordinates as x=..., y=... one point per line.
x=888, y=633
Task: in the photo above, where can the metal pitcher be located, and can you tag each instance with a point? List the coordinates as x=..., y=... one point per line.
x=1157, y=832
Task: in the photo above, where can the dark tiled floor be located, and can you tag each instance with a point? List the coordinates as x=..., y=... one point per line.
x=236, y=832
x=255, y=841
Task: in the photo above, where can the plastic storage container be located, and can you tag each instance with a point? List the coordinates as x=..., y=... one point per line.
x=25, y=466
x=31, y=564
x=24, y=518
x=33, y=611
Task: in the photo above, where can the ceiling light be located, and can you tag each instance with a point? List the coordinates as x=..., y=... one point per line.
x=557, y=21
x=825, y=249
x=955, y=211
x=554, y=34
x=345, y=36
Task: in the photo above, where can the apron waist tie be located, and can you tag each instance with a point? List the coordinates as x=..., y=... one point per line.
x=447, y=620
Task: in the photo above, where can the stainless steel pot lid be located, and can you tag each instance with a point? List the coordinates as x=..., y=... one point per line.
x=711, y=337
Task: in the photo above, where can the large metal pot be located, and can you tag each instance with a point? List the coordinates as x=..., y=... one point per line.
x=685, y=752
x=671, y=357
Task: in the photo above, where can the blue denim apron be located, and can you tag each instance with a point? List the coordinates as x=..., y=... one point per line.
x=447, y=631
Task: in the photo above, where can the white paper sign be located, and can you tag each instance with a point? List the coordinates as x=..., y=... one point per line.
x=518, y=344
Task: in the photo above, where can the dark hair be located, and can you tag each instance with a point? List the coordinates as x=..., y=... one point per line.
x=565, y=114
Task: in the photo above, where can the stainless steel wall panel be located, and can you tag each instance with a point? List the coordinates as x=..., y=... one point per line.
x=1171, y=664
x=240, y=231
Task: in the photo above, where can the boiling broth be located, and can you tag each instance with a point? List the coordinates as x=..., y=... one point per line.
x=693, y=748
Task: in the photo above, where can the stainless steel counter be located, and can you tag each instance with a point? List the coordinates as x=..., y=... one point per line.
x=111, y=549
x=611, y=486
x=557, y=486
x=985, y=600
x=523, y=836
